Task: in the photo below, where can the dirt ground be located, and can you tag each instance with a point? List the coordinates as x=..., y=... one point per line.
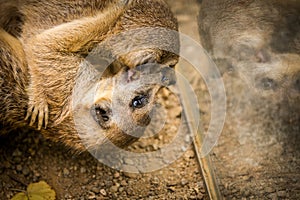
x=257, y=155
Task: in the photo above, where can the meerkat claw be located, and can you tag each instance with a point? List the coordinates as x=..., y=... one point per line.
x=40, y=112
x=40, y=119
x=33, y=116
x=46, y=116
x=29, y=111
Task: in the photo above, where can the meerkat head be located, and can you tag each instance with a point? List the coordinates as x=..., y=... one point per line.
x=141, y=50
x=121, y=106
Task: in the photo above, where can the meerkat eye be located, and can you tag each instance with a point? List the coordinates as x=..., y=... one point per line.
x=267, y=84
x=297, y=84
x=140, y=101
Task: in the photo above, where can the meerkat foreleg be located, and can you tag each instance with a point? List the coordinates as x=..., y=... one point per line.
x=48, y=55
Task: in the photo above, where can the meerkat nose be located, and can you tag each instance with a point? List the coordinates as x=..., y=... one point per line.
x=168, y=76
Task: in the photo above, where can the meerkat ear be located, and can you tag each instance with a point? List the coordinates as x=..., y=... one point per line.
x=297, y=82
x=105, y=66
x=262, y=56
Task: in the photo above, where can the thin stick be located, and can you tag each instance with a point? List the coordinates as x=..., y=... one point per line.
x=205, y=163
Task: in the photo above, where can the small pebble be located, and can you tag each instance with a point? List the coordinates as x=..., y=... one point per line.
x=269, y=190
x=114, y=188
x=37, y=174
x=155, y=181
x=121, y=189
x=123, y=183
x=82, y=170
x=154, y=147
x=26, y=171
x=117, y=175
x=85, y=181
x=187, y=138
x=246, y=193
x=66, y=172
x=17, y=153
x=184, y=182
x=172, y=182
x=273, y=196
x=235, y=190
x=190, y=154
x=91, y=195
x=32, y=152
x=172, y=189
x=82, y=162
x=281, y=193
x=19, y=168
x=200, y=196
x=96, y=190
x=103, y=192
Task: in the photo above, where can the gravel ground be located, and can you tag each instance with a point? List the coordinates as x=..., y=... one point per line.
x=26, y=157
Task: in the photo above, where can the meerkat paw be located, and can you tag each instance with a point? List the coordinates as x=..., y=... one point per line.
x=38, y=110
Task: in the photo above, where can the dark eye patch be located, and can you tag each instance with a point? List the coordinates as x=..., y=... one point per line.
x=267, y=84
x=297, y=84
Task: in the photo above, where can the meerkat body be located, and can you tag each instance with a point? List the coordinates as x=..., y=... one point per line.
x=13, y=82
x=57, y=36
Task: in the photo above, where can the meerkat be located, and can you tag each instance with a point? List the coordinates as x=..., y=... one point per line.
x=259, y=39
x=54, y=39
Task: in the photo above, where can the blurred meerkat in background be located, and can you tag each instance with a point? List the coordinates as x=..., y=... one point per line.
x=259, y=39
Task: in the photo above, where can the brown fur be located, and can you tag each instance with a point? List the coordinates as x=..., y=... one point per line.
x=260, y=39
x=56, y=37
x=13, y=80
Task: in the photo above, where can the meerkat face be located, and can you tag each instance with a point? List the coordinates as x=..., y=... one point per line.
x=278, y=74
x=123, y=105
x=283, y=75
x=144, y=46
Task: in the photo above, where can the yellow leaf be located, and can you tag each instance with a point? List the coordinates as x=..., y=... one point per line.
x=40, y=191
x=20, y=196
